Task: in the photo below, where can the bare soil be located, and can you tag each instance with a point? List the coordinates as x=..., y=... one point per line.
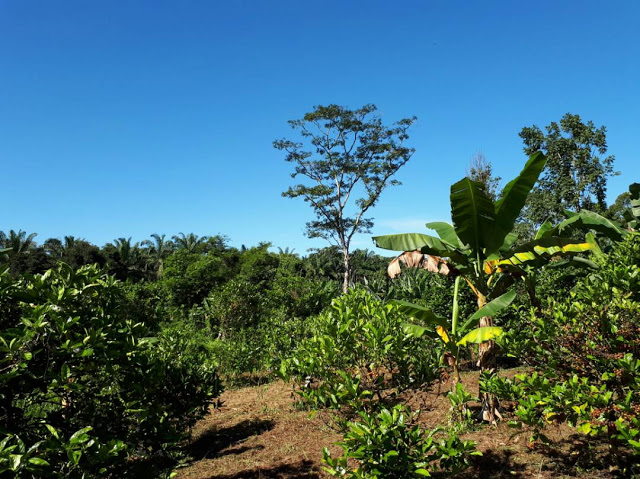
x=258, y=432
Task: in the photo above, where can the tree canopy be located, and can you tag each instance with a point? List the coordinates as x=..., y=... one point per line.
x=577, y=168
x=348, y=158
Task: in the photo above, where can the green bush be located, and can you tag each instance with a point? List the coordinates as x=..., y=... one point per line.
x=586, y=348
x=190, y=277
x=390, y=445
x=424, y=288
x=83, y=385
x=359, y=351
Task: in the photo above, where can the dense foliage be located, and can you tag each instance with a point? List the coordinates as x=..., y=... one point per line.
x=84, y=385
x=586, y=348
x=358, y=352
x=109, y=355
x=347, y=158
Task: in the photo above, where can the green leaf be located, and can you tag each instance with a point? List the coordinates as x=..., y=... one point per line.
x=417, y=331
x=586, y=220
x=514, y=196
x=542, y=231
x=420, y=313
x=4, y=442
x=38, y=462
x=87, y=352
x=473, y=214
x=16, y=459
x=508, y=242
x=446, y=232
x=538, y=252
x=575, y=261
x=80, y=436
x=480, y=335
x=53, y=431
x=489, y=309
x=413, y=241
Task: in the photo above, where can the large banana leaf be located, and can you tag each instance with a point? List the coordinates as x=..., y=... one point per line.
x=634, y=189
x=586, y=220
x=446, y=232
x=420, y=313
x=480, y=335
x=513, y=197
x=425, y=243
x=489, y=309
x=575, y=261
x=539, y=251
x=473, y=214
x=544, y=228
x=413, y=241
x=507, y=244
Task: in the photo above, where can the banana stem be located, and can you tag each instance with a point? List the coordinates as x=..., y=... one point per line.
x=454, y=316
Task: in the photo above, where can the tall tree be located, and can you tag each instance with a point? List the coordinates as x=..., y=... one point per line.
x=191, y=242
x=481, y=170
x=19, y=242
x=577, y=169
x=158, y=250
x=343, y=154
x=125, y=259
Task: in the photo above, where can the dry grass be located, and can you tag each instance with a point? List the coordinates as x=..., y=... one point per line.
x=258, y=433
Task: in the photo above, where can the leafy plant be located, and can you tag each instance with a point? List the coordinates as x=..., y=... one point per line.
x=480, y=245
x=586, y=349
x=390, y=445
x=83, y=385
x=453, y=335
x=358, y=351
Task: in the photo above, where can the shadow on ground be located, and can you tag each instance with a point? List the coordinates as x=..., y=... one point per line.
x=297, y=470
x=218, y=442
x=590, y=454
x=495, y=464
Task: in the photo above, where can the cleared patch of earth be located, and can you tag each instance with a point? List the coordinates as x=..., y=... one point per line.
x=259, y=433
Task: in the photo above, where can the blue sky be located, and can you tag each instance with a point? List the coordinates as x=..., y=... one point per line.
x=126, y=118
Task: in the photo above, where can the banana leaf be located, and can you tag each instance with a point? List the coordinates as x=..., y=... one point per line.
x=473, y=214
x=514, y=196
x=480, y=335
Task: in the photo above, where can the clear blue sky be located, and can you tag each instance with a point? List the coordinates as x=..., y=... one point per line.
x=126, y=118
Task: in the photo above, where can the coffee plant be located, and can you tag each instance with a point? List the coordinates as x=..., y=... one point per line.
x=83, y=386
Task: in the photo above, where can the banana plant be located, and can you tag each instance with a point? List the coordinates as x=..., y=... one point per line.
x=632, y=215
x=480, y=245
x=454, y=335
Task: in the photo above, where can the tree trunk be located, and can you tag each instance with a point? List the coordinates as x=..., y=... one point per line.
x=487, y=363
x=347, y=269
x=456, y=372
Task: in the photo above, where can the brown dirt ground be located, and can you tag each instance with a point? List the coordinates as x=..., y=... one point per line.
x=259, y=433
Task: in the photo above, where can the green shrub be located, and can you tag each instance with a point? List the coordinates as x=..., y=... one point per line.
x=586, y=347
x=190, y=277
x=359, y=351
x=83, y=385
x=390, y=445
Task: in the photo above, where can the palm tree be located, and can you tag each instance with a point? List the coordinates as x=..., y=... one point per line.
x=286, y=251
x=19, y=242
x=158, y=249
x=57, y=248
x=190, y=242
x=126, y=260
